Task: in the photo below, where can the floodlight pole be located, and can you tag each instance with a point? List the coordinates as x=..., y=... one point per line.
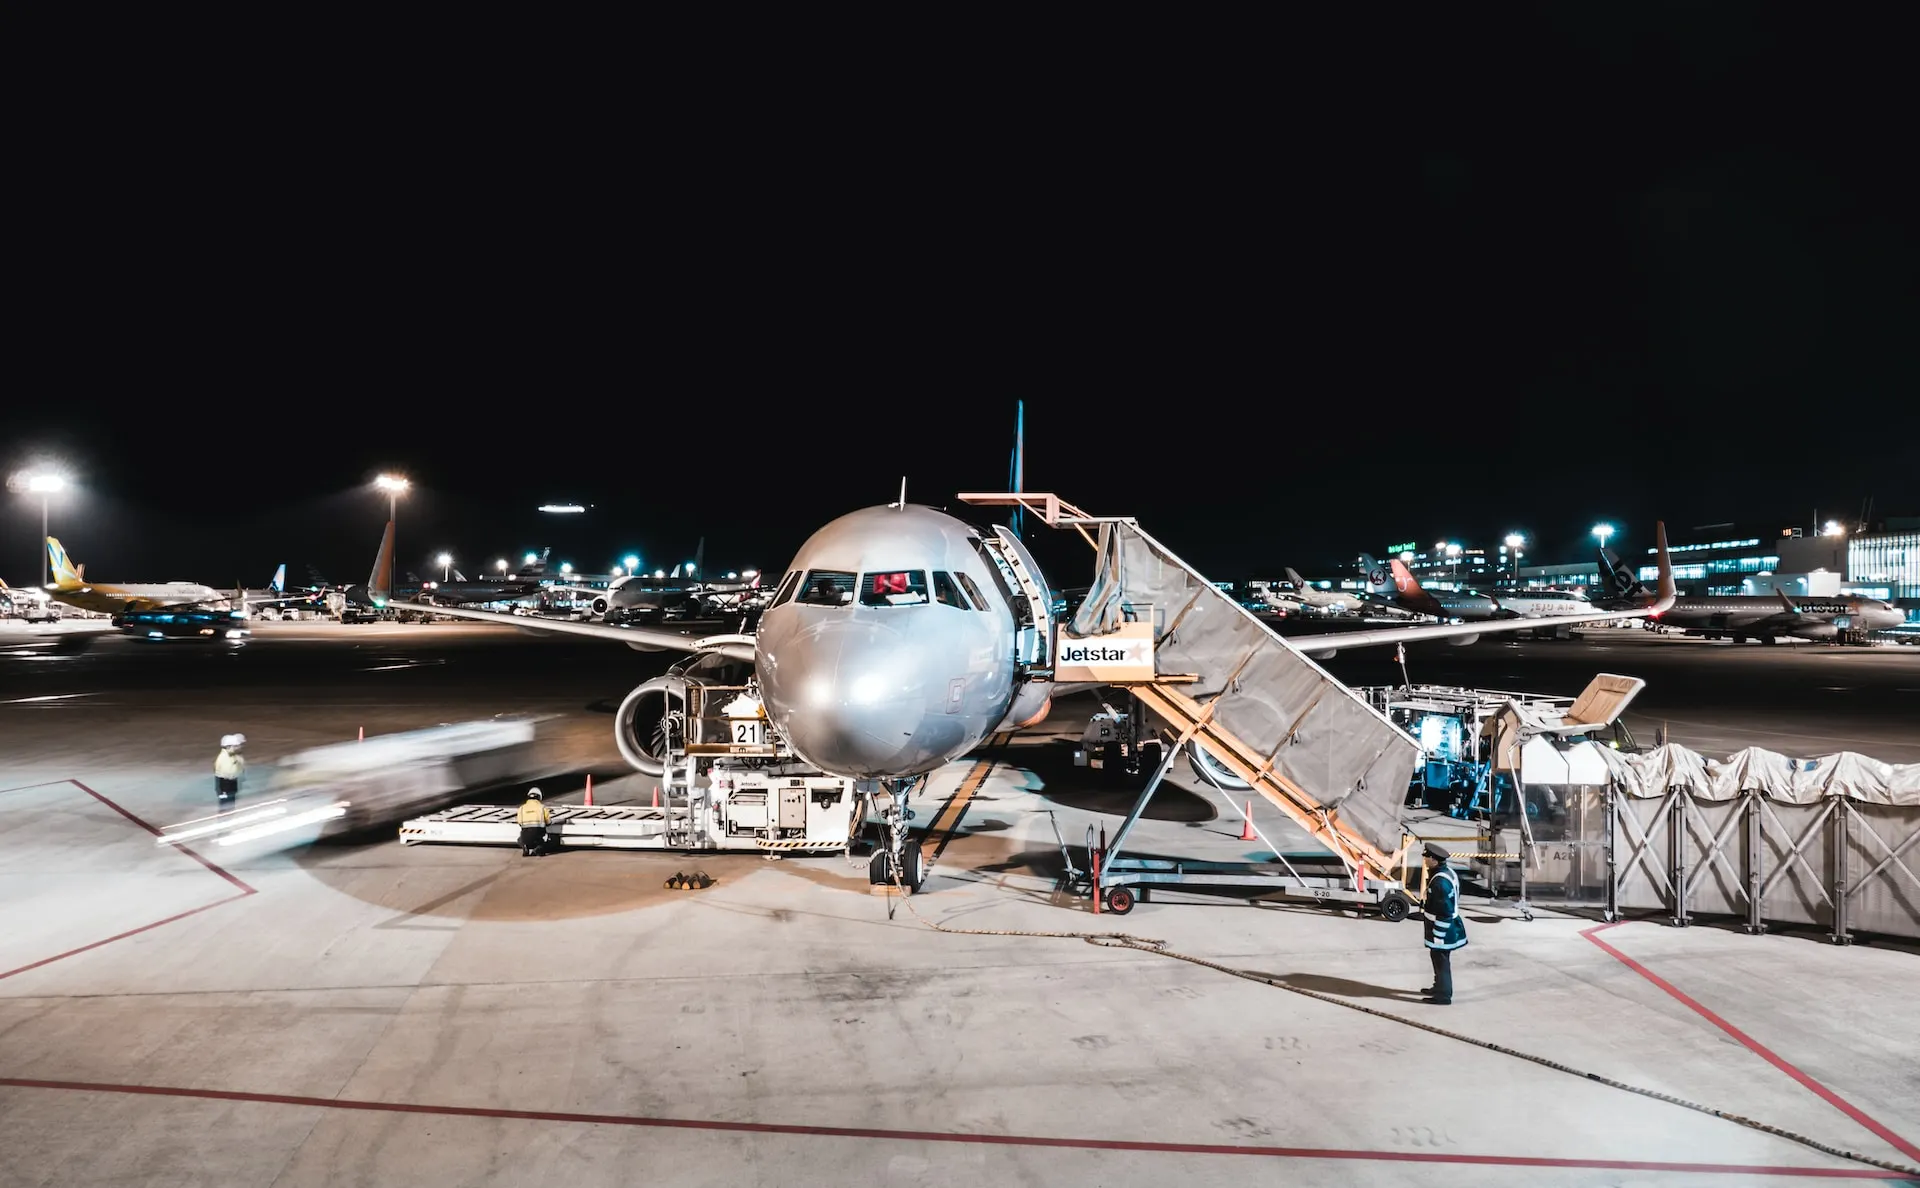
x=44, y=498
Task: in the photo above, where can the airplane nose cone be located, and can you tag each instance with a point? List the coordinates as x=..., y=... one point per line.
x=849, y=697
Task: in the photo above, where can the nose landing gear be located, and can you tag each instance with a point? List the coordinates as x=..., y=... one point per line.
x=898, y=862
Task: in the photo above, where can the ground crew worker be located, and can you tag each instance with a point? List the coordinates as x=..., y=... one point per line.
x=1446, y=931
x=533, y=820
x=227, y=766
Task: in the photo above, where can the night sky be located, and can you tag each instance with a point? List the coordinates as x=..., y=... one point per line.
x=1445, y=275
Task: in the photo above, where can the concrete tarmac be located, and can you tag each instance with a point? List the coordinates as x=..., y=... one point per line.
x=361, y=1012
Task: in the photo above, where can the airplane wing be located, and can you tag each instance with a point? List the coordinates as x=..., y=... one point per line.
x=640, y=639
x=1321, y=646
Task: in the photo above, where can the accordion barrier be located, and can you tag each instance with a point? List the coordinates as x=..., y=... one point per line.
x=1831, y=842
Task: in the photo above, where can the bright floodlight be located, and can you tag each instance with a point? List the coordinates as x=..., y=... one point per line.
x=45, y=484
x=659, y=573
x=564, y=509
x=1831, y=528
x=616, y=572
x=391, y=482
x=749, y=573
x=1602, y=532
x=566, y=567
x=530, y=558
x=633, y=562
x=1515, y=540
x=501, y=565
x=444, y=559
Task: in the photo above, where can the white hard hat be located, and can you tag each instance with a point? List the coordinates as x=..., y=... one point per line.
x=233, y=742
x=533, y=793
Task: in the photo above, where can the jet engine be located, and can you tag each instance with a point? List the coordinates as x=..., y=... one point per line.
x=599, y=606
x=651, y=721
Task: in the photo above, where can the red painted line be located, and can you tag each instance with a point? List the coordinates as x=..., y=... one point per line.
x=30, y=787
x=1752, y=1045
x=245, y=890
x=193, y=854
x=946, y=1136
x=124, y=935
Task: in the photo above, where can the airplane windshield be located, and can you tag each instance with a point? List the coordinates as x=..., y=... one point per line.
x=900, y=587
x=827, y=587
x=946, y=593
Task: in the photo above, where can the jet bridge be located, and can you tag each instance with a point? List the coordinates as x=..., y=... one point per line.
x=1217, y=675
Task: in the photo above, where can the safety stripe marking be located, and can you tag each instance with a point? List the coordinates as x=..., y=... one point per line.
x=245, y=890
x=947, y=823
x=1752, y=1045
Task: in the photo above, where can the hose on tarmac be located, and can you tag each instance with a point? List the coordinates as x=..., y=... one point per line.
x=1122, y=940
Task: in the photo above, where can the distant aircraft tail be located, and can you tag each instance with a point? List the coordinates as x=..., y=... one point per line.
x=1411, y=595
x=65, y=575
x=1293, y=575
x=700, y=559
x=1620, y=581
x=1378, y=577
x=380, y=581
x=279, y=583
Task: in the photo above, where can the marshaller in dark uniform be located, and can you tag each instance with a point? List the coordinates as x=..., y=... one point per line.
x=1446, y=931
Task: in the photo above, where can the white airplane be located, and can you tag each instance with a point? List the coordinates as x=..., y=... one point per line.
x=901, y=638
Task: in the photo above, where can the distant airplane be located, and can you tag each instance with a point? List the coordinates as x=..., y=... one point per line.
x=1754, y=616
x=71, y=587
x=1395, y=583
x=638, y=597
x=1543, y=604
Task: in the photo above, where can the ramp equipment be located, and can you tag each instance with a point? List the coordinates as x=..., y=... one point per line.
x=727, y=785
x=1221, y=679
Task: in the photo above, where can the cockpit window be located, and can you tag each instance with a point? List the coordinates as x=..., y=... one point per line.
x=946, y=593
x=788, y=585
x=898, y=587
x=827, y=587
x=973, y=591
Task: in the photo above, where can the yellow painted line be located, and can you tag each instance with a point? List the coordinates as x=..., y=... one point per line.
x=942, y=830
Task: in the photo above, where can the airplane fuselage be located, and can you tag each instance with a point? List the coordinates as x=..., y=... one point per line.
x=889, y=648
x=1816, y=618
x=107, y=599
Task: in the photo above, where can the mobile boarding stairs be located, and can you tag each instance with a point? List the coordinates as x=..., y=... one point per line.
x=1321, y=753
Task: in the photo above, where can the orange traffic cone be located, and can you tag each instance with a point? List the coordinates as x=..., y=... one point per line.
x=1246, y=825
x=589, y=800
x=656, y=796
x=363, y=735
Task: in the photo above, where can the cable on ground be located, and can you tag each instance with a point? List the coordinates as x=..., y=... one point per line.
x=1122, y=940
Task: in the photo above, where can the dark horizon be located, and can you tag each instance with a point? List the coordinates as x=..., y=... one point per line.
x=1660, y=265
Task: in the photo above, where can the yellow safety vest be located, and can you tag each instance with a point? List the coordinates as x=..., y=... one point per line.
x=533, y=812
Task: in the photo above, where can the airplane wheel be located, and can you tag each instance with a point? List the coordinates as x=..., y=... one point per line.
x=1119, y=900
x=912, y=873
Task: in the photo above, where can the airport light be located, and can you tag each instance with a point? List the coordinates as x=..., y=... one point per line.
x=732, y=576
x=530, y=558
x=1514, y=542
x=46, y=486
x=445, y=562
x=633, y=563
x=394, y=486
x=1601, y=532
x=566, y=567
x=749, y=574
x=659, y=573
x=562, y=509
x=1832, y=528
x=501, y=565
